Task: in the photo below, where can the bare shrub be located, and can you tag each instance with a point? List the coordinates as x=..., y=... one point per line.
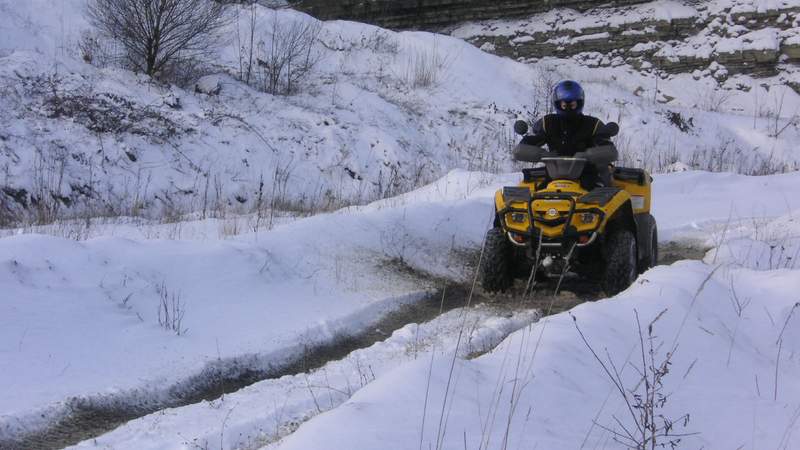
x=774, y=116
x=544, y=80
x=426, y=67
x=287, y=55
x=49, y=166
x=714, y=99
x=645, y=403
x=155, y=34
x=246, y=49
x=486, y=148
x=96, y=50
x=381, y=41
x=397, y=242
x=171, y=310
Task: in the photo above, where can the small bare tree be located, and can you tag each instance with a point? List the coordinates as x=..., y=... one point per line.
x=155, y=33
x=288, y=54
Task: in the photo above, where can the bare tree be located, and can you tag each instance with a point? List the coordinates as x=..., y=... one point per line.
x=287, y=54
x=155, y=33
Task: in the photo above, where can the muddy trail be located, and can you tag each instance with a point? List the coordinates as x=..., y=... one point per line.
x=89, y=418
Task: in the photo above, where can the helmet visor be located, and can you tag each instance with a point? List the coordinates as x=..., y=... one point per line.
x=567, y=105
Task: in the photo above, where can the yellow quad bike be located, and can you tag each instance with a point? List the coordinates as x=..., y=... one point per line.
x=550, y=225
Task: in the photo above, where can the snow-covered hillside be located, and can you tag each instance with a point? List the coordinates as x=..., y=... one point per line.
x=382, y=113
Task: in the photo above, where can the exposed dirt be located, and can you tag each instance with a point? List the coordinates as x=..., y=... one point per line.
x=88, y=419
x=670, y=252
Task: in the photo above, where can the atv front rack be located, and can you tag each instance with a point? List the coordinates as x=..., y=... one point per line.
x=513, y=194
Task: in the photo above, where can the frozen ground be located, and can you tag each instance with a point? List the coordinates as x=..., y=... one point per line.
x=80, y=320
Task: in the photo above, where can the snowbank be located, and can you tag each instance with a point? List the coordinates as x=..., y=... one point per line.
x=543, y=387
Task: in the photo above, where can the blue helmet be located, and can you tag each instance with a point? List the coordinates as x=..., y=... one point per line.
x=568, y=91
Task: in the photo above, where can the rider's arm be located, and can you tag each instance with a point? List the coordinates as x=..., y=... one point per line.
x=598, y=139
x=538, y=136
x=601, y=150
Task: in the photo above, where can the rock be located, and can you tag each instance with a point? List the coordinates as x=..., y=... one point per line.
x=173, y=101
x=791, y=48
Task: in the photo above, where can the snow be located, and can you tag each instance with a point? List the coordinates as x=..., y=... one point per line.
x=248, y=300
x=765, y=39
x=759, y=243
x=563, y=19
x=686, y=202
x=266, y=411
x=80, y=303
x=542, y=386
x=251, y=304
x=359, y=129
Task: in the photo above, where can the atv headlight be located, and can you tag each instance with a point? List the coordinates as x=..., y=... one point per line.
x=587, y=218
x=637, y=202
x=518, y=217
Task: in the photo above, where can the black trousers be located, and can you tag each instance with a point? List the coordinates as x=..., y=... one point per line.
x=594, y=176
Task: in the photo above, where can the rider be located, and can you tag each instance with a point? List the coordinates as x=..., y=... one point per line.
x=569, y=131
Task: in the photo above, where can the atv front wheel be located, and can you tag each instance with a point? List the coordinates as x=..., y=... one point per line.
x=620, y=268
x=650, y=258
x=495, y=263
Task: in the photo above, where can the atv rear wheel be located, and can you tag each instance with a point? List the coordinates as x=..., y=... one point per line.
x=496, y=260
x=620, y=268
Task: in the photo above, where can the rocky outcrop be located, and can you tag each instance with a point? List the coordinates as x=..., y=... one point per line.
x=720, y=38
x=431, y=14
x=678, y=37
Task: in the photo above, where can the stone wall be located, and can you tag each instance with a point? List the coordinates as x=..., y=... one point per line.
x=433, y=14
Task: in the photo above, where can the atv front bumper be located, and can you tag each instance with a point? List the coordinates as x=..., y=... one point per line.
x=559, y=231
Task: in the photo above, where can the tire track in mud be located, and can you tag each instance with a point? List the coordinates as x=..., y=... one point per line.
x=87, y=418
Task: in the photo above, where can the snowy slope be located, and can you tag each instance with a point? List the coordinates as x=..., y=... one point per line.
x=542, y=388
x=77, y=140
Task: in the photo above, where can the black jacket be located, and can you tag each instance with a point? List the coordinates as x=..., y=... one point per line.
x=566, y=137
